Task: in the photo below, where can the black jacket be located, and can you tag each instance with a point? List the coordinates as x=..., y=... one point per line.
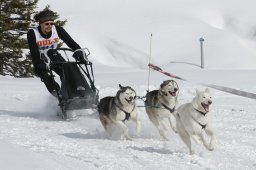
x=35, y=54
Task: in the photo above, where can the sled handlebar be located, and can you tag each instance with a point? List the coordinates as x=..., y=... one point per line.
x=44, y=56
x=77, y=62
x=65, y=49
x=86, y=50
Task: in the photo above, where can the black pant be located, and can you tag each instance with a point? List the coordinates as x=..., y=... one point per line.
x=45, y=75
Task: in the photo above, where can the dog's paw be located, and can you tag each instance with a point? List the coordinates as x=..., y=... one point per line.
x=210, y=148
x=164, y=138
x=128, y=138
x=175, y=130
x=191, y=152
x=138, y=134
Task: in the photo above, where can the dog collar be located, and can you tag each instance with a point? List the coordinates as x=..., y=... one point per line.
x=203, y=113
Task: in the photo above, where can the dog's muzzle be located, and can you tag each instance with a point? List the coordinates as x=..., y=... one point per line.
x=130, y=100
x=174, y=92
x=206, y=105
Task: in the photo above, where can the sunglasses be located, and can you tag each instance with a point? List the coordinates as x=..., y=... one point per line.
x=48, y=23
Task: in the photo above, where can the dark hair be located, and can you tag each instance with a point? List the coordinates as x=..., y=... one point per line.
x=45, y=15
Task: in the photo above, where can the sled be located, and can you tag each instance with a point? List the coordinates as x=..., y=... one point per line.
x=77, y=88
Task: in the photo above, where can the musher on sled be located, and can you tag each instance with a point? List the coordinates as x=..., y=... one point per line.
x=43, y=42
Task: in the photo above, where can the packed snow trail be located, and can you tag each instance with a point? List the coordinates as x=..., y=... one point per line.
x=29, y=127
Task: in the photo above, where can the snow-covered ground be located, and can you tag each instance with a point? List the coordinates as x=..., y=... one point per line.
x=33, y=138
x=117, y=33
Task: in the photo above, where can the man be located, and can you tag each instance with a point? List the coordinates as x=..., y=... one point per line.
x=47, y=36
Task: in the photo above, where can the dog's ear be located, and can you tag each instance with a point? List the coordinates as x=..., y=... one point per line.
x=164, y=83
x=197, y=92
x=161, y=85
x=207, y=90
x=120, y=86
x=167, y=81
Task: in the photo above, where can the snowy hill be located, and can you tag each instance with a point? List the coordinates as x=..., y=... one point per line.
x=118, y=32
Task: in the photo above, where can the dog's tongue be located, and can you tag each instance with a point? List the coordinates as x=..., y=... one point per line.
x=173, y=93
x=206, y=107
x=129, y=101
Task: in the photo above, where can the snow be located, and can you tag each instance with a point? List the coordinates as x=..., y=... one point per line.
x=33, y=137
x=118, y=34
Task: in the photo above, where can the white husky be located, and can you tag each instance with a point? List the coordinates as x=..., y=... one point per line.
x=161, y=104
x=118, y=109
x=195, y=118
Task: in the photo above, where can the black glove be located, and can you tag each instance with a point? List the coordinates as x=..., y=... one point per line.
x=52, y=53
x=78, y=55
x=42, y=66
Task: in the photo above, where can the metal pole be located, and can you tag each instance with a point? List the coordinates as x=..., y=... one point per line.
x=149, y=59
x=202, y=54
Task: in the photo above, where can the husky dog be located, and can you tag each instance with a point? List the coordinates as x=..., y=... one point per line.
x=192, y=119
x=117, y=109
x=161, y=104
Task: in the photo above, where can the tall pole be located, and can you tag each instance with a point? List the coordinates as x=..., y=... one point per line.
x=149, y=59
x=202, y=52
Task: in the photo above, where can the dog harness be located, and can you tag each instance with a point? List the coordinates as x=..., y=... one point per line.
x=166, y=107
x=203, y=126
x=127, y=114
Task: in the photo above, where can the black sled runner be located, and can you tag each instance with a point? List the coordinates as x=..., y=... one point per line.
x=77, y=88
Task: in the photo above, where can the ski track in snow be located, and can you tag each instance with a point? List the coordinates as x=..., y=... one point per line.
x=83, y=140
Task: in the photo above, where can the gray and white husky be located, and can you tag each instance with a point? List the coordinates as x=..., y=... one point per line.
x=118, y=109
x=161, y=104
x=195, y=118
